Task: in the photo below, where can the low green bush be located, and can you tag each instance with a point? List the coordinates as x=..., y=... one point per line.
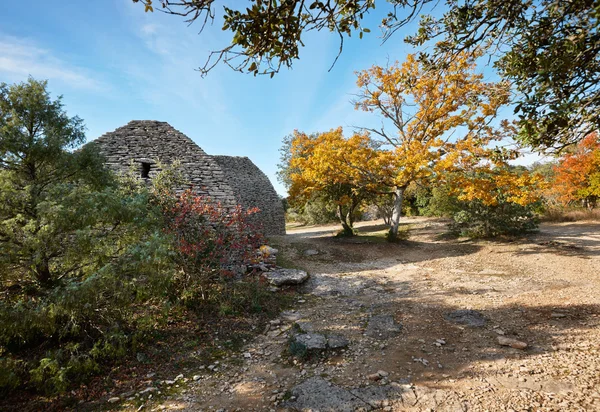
x=91, y=263
x=474, y=219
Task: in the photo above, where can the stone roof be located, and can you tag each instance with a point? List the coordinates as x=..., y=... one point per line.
x=149, y=141
x=142, y=144
x=253, y=188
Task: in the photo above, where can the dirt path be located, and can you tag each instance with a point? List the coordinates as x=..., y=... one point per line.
x=396, y=305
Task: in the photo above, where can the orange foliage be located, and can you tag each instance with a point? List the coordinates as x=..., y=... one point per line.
x=498, y=184
x=441, y=129
x=440, y=118
x=330, y=163
x=578, y=173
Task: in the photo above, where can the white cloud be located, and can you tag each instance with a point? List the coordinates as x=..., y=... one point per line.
x=528, y=158
x=171, y=62
x=20, y=58
x=149, y=28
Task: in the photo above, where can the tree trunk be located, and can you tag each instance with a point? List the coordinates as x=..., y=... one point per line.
x=42, y=272
x=397, y=213
x=590, y=202
x=350, y=214
x=343, y=220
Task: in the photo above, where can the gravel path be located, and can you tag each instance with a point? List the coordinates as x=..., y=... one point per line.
x=423, y=321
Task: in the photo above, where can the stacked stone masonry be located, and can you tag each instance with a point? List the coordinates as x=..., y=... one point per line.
x=145, y=144
x=252, y=188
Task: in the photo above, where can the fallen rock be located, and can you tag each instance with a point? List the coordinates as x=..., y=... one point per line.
x=323, y=284
x=316, y=394
x=291, y=315
x=383, y=327
x=513, y=343
x=114, y=399
x=282, y=277
x=374, y=376
x=268, y=250
x=304, y=327
x=311, y=252
x=337, y=342
x=377, y=375
x=311, y=341
x=467, y=317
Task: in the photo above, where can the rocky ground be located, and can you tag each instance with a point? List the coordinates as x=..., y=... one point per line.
x=424, y=325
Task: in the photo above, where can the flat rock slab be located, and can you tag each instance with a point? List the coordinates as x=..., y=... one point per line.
x=380, y=396
x=281, y=277
x=323, y=284
x=383, y=327
x=467, y=317
x=316, y=394
x=311, y=341
x=291, y=315
x=337, y=342
x=304, y=326
x=311, y=252
x=317, y=341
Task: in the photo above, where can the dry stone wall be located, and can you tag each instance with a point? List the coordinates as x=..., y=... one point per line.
x=143, y=144
x=252, y=188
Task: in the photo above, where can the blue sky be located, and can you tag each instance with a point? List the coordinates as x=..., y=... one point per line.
x=114, y=63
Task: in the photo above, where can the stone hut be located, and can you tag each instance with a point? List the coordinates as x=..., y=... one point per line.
x=249, y=186
x=230, y=180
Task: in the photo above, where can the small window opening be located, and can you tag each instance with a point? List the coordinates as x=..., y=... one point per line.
x=145, y=170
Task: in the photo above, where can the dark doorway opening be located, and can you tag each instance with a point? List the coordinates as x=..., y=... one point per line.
x=146, y=170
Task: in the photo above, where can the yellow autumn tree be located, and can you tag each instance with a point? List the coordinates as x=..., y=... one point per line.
x=435, y=119
x=336, y=168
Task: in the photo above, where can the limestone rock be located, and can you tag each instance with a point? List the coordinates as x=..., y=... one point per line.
x=337, y=341
x=467, y=317
x=291, y=315
x=316, y=394
x=268, y=250
x=513, y=343
x=304, y=326
x=311, y=341
x=324, y=284
x=383, y=327
x=281, y=277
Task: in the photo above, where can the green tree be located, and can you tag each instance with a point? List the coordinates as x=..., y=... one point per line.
x=549, y=49
x=332, y=168
x=436, y=120
x=77, y=246
x=267, y=34
x=38, y=171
